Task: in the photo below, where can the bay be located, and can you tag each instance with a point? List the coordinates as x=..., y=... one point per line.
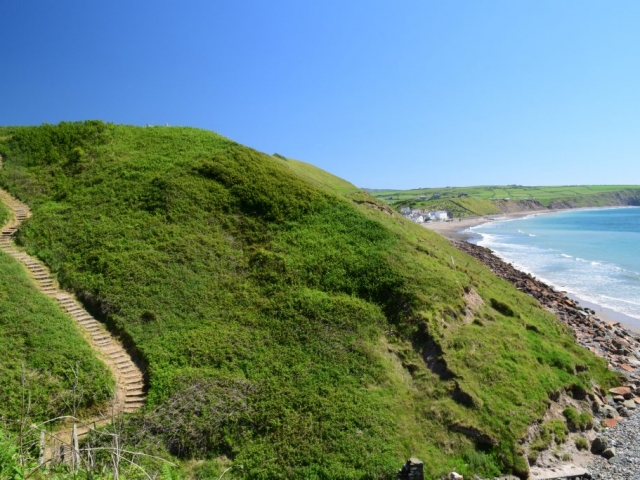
x=593, y=254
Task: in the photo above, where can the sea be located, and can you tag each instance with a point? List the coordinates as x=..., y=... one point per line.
x=592, y=254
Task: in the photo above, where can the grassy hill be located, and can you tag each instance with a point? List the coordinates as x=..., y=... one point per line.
x=487, y=200
x=291, y=325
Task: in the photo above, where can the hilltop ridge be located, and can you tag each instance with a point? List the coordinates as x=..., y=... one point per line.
x=290, y=324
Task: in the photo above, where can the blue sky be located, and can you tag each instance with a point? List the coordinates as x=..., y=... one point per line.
x=396, y=93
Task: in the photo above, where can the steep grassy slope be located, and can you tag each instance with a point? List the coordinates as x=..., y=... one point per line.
x=490, y=200
x=291, y=325
x=43, y=354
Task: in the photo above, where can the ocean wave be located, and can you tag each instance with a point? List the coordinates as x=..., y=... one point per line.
x=622, y=300
x=575, y=257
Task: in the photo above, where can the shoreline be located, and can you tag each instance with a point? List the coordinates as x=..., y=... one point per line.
x=606, y=338
x=454, y=231
x=592, y=328
x=608, y=334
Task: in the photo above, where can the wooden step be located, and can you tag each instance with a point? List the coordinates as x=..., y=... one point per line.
x=135, y=396
x=88, y=322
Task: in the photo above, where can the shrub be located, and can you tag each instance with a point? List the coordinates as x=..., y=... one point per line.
x=576, y=420
x=581, y=443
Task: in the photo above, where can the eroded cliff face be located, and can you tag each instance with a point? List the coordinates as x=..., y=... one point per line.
x=610, y=199
x=630, y=197
x=514, y=206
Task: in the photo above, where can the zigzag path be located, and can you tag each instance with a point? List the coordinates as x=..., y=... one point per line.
x=129, y=392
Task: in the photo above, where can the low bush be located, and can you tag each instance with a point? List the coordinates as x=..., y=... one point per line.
x=581, y=443
x=576, y=420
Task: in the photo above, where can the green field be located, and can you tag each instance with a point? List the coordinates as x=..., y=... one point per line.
x=292, y=326
x=471, y=201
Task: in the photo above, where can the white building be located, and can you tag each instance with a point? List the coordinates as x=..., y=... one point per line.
x=439, y=215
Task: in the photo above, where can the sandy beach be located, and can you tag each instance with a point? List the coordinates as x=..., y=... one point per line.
x=455, y=230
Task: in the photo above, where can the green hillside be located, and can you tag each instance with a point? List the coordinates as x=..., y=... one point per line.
x=291, y=325
x=485, y=200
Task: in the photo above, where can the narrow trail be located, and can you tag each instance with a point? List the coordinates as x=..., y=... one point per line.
x=129, y=382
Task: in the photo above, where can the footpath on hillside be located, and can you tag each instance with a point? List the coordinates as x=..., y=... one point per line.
x=129, y=394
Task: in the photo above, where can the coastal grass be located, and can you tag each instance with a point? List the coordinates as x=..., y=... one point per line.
x=318, y=177
x=577, y=420
x=290, y=324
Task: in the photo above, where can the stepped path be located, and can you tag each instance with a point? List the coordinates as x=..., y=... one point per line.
x=129, y=395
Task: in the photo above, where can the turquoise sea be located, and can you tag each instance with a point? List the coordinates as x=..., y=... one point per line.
x=592, y=254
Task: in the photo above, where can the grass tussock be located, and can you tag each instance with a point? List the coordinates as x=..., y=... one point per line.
x=324, y=336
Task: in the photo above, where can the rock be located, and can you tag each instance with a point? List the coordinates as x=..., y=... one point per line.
x=610, y=412
x=618, y=398
x=412, y=470
x=609, y=452
x=630, y=404
x=610, y=422
x=599, y=445
x=624, y=412
x=455, y=476
x=597, y=404
x=620, y=390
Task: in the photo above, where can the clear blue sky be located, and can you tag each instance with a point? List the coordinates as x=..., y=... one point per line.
x=395, y=93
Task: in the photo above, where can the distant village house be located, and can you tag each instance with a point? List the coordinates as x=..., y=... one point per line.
x=420, y=216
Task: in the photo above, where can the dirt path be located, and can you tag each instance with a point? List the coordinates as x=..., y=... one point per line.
x=129, y=392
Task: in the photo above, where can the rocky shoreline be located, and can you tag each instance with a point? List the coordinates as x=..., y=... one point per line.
x=618, y=420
